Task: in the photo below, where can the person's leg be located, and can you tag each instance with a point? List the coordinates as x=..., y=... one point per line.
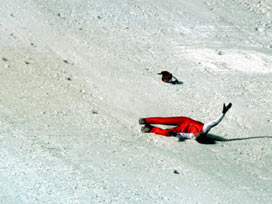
x=208, y=126
x=162, y=120
x=151, y=129
x=159, y=131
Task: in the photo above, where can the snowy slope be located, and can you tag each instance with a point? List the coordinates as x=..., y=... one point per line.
x=77, y=75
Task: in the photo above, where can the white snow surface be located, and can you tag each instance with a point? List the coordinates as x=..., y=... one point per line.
x=76, y=75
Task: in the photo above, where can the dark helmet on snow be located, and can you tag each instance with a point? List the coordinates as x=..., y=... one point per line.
x=166, y=76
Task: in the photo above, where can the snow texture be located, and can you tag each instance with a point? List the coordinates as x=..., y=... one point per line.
x=76, y=75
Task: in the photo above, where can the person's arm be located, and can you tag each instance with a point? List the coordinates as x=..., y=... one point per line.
x=183, y=135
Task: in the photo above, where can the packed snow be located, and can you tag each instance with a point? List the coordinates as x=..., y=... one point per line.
x=76, y=75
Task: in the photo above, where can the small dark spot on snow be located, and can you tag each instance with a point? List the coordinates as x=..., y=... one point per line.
x=99, y=17
x=26, y=62
x=94, y=112
x=66, y=61
x=4, y=59
x=82, y=91
x=220, y=53
x=176, y=172
x=58, y=14
x=69, y=78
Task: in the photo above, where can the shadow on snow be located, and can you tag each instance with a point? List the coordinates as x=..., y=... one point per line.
x=212, y=139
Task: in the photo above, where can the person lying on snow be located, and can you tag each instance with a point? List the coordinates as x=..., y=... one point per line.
x=186, y=128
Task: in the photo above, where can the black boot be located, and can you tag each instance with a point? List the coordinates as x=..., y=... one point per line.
x=142, y=121
x=146, y=129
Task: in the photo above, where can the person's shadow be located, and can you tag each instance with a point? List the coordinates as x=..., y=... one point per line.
x=213, y=139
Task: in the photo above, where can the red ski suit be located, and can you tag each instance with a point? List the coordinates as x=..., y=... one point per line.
x=183, y=125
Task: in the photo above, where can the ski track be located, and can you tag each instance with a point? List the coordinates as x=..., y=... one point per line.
x=77, y=75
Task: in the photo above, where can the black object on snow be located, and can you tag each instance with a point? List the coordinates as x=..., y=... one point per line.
x=167, y=77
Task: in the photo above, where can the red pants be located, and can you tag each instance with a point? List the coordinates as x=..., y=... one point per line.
x=183, y=124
